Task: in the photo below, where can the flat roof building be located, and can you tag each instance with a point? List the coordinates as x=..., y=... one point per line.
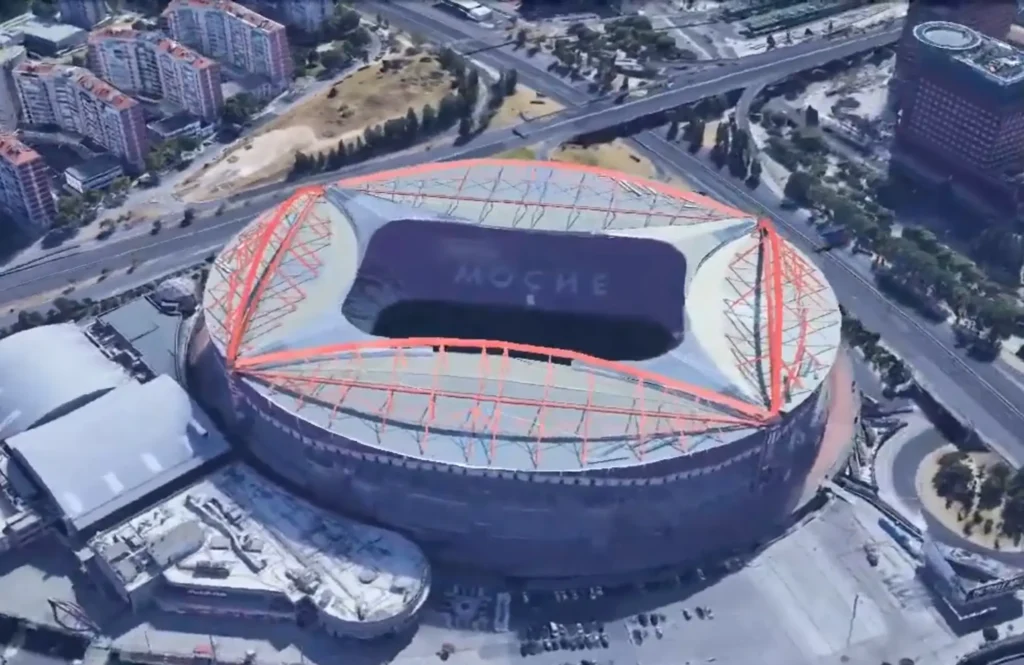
x=121, y=447
x=25, y=193
x=96, y=173
x=175, y=126
x=237, y=36
x=991, y=17
x=237, y=545
x=963, y=112
x=76, y=100
x=150, y=64
x=45, y=37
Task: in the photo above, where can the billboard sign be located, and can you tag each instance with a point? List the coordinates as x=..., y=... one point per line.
x=554, y=271
x=997, y=588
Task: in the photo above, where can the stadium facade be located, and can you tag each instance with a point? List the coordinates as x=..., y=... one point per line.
x=532, y=369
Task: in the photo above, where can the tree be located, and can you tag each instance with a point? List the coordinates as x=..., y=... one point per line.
x=673, y=131
x=412, y=125
x=754, y=177
x=429, y=119
x=798, y=187
x=955, y=482
x=44, y=9
x=994, y=486
x=510, y=79
x=334, y=59
x=811, y=117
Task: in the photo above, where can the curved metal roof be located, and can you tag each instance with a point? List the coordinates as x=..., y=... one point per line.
x=47, y=370
x=761, y=324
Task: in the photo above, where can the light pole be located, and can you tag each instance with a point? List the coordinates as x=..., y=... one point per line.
x=853, y=617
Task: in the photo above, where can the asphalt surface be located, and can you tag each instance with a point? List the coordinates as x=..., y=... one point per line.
x=980, y=392
x=583, y=115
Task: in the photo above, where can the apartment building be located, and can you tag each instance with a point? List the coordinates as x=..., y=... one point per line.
x=238, y=37
x=10, y=110
x=151, y=65
x=307, y=15
x=25, y=186
x=82, y=13
x=989, y=17
x=76, y=100
x=962, y=113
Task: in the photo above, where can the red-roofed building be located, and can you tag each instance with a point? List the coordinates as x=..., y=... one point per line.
x=233, y=34
x=78, y=101
x=25, y=186
x=152, y=65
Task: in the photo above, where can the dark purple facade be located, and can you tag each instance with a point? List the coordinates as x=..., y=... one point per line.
x=588, y=274
x=600, y=524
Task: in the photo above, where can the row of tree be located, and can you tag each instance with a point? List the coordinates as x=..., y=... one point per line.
x=914, y=267
x=455, y=109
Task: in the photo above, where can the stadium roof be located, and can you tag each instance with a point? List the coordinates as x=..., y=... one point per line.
x=118, y=448
x=47, y=371
x=761, y=324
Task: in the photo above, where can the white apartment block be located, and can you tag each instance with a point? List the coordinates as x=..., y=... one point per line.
x=151, y=65
x=238, y=37
x=76, y=100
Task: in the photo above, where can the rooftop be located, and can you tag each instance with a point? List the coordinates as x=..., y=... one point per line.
x=996, y=60
x=234, y=531
x=245, y=14
x=94, y=167
x=14, y=152
x=173, y=123
x=83, y=78
x=313, y=286
x=119, y=448
x=28, y=24
x=160, y=42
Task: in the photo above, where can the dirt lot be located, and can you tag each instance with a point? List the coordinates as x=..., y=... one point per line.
x=525, y=104
x=368, y=97
x=617, y=156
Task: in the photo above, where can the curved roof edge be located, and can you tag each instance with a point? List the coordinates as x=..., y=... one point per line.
x=50, y=370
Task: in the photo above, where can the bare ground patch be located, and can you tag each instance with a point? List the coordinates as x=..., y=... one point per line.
x=371, y=96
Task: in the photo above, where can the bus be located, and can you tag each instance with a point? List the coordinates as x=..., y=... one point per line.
x=470, y=9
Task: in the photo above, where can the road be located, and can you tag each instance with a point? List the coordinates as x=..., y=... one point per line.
x=982, y=394
x=986, y=397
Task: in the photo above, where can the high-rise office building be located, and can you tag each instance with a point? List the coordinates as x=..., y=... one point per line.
x=83, y=13
x=989, y=17
x=10, y=109
x=25, y=186
x=151, y=65
x=238, y=37
x=962, y=113
x=76, y=100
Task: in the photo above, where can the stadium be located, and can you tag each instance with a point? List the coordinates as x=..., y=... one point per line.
x=532, y=369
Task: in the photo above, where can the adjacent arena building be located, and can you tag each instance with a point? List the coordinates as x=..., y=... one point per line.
x=537, y=370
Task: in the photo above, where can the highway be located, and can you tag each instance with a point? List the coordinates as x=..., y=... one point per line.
x=983, y=395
